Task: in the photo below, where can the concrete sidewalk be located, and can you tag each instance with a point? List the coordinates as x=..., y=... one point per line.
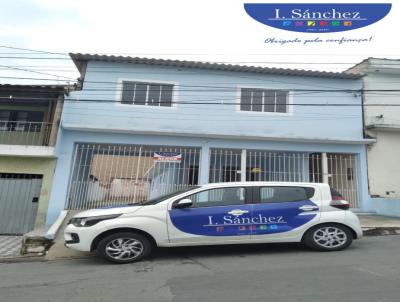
x=10, y=246
x=58, y=250
x=375, y=225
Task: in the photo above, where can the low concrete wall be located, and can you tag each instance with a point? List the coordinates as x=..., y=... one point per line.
x=385, y=206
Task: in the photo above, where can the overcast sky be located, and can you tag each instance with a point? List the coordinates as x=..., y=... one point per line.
x=207, y=30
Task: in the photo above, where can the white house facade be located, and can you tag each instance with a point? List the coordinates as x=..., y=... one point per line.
x=382, y=123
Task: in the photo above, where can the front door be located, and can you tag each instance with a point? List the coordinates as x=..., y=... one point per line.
x=219, y=214
x=282, y=211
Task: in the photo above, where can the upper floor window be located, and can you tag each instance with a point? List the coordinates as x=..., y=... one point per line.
x=264, y=100
x=150, y=94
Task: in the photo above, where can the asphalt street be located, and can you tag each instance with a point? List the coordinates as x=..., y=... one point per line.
x=368, y=271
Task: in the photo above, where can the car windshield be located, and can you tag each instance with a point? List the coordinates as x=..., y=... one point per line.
x=166, y=196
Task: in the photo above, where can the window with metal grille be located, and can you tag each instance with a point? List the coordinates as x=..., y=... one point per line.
x=264, y=100
x=12, y=120
x=150, y=94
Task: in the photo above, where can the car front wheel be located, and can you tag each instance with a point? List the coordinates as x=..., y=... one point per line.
x=124, y=247
x=328, y=237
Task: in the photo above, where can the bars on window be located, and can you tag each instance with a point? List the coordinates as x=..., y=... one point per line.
x=106, y=175
x=262, y=100
x=150, y=94
x=286, y=166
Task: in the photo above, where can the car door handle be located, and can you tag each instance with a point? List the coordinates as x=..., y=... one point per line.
x=237, y=212
x=308, y=208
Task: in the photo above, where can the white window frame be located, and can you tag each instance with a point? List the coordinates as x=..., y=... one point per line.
x=289, y=101
x=119, y=91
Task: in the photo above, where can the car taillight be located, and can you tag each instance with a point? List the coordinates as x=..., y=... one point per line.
x=337, y=197
x=339, y=203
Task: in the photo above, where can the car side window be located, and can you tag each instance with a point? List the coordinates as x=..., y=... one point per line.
x=285, y=194
x=218, y=197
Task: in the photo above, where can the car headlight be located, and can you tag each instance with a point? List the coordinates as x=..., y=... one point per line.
x=89, y=221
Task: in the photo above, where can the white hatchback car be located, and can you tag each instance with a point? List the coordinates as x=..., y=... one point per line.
x=223, y=213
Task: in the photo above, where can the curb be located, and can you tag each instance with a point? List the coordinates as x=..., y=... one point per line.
x=381, y=231
x=52, y=231
x=21, y=259
x=367, y=232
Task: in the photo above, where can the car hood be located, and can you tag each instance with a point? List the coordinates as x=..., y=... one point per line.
x=109, y=211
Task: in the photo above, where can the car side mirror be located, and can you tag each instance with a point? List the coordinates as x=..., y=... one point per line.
x=183, y=203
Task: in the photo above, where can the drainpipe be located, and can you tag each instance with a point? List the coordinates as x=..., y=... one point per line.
x=364, y=131
x=55, y=122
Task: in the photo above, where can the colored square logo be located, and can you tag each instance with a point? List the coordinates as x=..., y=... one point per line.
x=273, y=227
x=335, y=23
x=323, y=23
x=347, y=23
x=286, y=23
x=299, y=23
x=311, y=23
x=242, y=228
x=263, y=227
x=220, y=229
x=252, y=228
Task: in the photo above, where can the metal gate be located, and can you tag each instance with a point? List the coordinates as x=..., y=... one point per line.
x=227, y=165
x=105, y=175
x=19, y=197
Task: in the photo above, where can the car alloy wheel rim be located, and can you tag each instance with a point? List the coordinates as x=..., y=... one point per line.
x=330, y=237
x=124, y=248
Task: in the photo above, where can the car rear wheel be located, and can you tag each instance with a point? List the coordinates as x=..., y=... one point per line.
x=328, y=237
x=124, y=247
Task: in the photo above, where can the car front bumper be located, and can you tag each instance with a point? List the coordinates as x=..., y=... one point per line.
x=80, y=238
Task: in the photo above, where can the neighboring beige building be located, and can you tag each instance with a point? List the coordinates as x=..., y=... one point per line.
x=382, y=87
x=29, y=122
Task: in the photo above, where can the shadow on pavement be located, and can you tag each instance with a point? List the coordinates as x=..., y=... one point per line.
x=241, y=251
x=219, y=251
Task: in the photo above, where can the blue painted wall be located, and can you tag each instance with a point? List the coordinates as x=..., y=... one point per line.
x=384, y=206
x=312, y=122
x=69, y=138
x=107, y=121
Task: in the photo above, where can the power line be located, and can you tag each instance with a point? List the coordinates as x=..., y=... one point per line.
x=116, y=83
x=107, y=69
x=33, y=58
x=200, y=111
x=210, y=88
x=38, y=72
x=217, y=62
x=186, y=89
x=217, y=118
x=33, y=50
x=199, y=102
x=208, y=53
x=252, y=77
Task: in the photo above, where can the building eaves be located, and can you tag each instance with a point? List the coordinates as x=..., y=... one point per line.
x=383, y=127
x=185, y=133
x=363, y=66
x=81, y=60
x=37, y=88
